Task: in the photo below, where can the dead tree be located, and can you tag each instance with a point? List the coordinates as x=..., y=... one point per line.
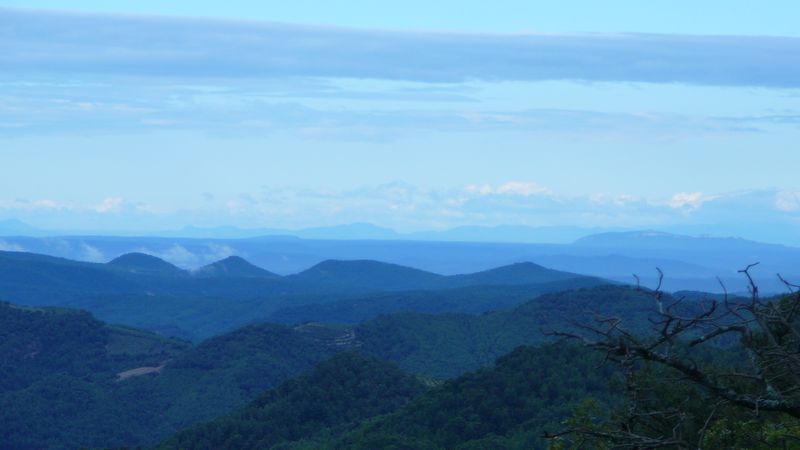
x=767, y=383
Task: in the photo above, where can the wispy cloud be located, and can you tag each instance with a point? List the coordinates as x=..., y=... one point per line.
x=514, y=202
x=6, y=246
x=91, y=253
x=43, y=110
x=71, y=73
x=184, y=257
x=71, y=43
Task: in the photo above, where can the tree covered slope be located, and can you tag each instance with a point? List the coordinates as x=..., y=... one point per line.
x=508, y=406
x=337, y=393
x=58, y=378
x=68, y=380
x=448, y=345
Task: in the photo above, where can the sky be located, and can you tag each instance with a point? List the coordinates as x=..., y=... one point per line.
x=145, y=116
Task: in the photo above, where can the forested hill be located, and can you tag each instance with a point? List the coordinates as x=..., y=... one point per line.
x=369, y=275
x=338, y=393
x=507, y=406
x=448, y=345
x=234, y=266
x=143, y=264
x=38, y=342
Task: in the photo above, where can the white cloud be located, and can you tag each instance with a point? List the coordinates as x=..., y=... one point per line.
x=46, y=204
x=407, y=207
x=521, y=188
x=787, y=201
x=689, y=201
x=623, y=200
x=109, y=204
x=183, y=257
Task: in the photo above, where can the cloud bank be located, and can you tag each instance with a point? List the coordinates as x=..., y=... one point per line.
x=71, y=43
x=412, y=208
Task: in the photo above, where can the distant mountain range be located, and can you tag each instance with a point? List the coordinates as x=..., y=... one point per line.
x=688, y=262
x=145, y=291
x=367, y=231
x=787, y=234
x=353, y=231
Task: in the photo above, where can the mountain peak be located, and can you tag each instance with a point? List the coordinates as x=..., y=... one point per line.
x=339, y=266
x=234, y=266
x=370, y=274
x=144, y=264
x=517, y=273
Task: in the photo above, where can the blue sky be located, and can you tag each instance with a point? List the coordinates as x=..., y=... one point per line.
x=737, y=17
x=414, y=115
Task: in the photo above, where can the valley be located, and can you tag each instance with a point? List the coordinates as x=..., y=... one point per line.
x=131, y=374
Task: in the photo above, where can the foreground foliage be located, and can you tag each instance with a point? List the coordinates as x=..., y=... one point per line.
x=747, y=396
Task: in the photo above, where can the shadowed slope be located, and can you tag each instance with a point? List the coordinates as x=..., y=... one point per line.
x=341, y=391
